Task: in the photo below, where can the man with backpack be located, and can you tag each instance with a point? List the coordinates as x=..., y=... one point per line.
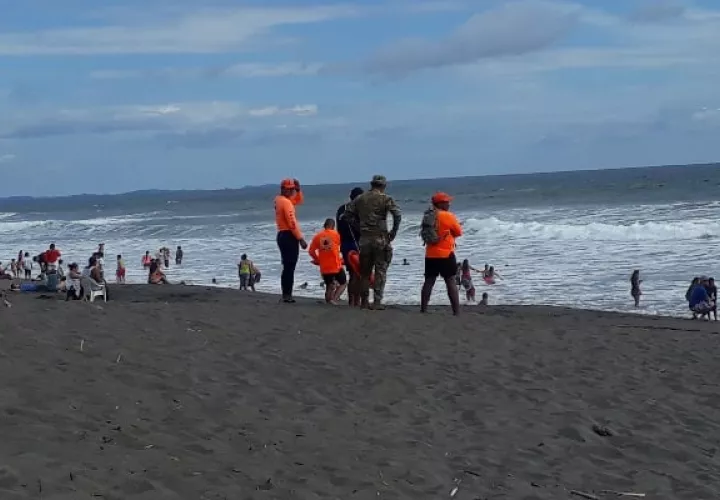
x=438, y=231
x=368, y=213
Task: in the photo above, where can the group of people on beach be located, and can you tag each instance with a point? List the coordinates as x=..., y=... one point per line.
x=354, y=250
x=701, y=295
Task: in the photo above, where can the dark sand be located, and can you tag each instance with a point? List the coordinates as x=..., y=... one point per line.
x=189, y=393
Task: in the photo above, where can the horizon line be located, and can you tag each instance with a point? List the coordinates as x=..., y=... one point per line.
x=262, y=186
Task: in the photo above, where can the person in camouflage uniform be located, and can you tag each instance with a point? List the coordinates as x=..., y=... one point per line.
x=368, y=213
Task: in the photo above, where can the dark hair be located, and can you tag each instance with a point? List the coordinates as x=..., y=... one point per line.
x=329, y=223
x=59, y=261
x=52, y=246
x=466, y=265
x=356, y=192
x=243, y=256
x=92, y=261
x=119, y=256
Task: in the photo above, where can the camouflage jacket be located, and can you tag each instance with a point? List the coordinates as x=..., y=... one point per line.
x=368, y=213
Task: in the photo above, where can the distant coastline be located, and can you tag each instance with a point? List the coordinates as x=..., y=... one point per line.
x=192, y=194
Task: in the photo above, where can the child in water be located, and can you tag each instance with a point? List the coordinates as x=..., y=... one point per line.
x=490, y=275
x=120, y=270
x=484, y=300
x=466, y=280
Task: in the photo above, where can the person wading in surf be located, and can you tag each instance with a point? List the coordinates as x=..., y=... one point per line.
x=289, y=236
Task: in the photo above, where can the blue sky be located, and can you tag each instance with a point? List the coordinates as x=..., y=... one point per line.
x=186, y=94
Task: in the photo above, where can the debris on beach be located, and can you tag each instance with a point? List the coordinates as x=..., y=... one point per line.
x=582, y=494
x=602, y=431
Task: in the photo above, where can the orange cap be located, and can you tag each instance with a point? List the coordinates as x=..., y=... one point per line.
x=287, y=184
x=441, y=197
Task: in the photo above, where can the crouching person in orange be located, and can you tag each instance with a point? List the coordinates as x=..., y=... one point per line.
x=324, y=251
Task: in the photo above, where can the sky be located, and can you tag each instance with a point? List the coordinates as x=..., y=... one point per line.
x=107, y=97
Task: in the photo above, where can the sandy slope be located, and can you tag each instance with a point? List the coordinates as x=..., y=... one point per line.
x=181, y=392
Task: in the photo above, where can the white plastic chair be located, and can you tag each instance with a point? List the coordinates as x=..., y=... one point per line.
x=92, y=289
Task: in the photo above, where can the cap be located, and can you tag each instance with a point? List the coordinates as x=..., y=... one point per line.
x=441, y=197
x=379, y=180
x=356, y=192
x=287, y=184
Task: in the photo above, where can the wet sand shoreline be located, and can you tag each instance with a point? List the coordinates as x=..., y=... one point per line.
x=192, y=392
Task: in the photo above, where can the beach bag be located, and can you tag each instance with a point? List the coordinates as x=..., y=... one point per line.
x=428, y=228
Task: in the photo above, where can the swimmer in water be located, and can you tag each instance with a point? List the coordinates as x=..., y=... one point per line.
x=304, y=286
x=405, y=262
x=491, y=275
x=484, y=300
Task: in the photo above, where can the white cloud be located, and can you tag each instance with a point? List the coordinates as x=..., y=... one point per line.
x=240, y=70
x=205, y=31
x=7, y=158
x=304, y=110
x=167, y=117
x=511, y=29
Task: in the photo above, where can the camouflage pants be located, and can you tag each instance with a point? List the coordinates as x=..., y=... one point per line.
x=375, y=254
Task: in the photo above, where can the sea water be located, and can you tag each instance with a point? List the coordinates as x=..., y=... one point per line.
x=564, y=239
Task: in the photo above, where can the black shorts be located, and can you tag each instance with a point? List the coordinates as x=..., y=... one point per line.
x=447, y=268
x=340, y=277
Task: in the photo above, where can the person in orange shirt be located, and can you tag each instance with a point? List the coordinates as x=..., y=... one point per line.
x=440, y=256
x=289, y=236
x=325, y=252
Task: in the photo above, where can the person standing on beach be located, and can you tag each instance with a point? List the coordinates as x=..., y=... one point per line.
x=349, y=242
x=289, y=236
x=368, y=215
x=178, y=255
x=325, y=251
x=27, y=265
x=712, y=293
x=52, y=255
x=440, y=253
x=635, y=287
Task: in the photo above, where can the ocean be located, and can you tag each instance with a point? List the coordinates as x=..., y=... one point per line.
x=563, y=239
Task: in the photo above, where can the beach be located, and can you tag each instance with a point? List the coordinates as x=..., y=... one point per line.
x=180, y=392
x=568, y=239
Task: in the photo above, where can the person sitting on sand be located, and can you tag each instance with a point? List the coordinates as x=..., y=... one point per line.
x=156, y=276
x=635, y=282
x=700, y=303
x=324, y=251
x=73, y=285
x=4, y=273
x=95, y=273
